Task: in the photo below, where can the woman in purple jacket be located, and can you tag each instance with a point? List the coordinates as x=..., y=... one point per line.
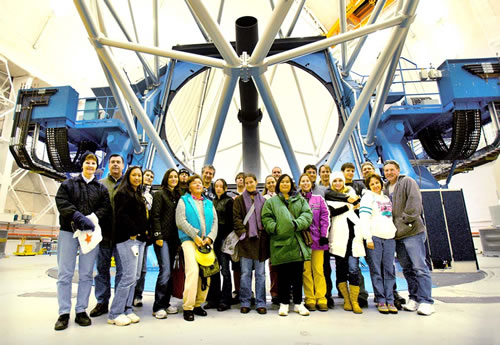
x=313, y=277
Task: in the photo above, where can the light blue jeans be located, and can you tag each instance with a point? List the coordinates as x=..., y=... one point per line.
x=247, y=265
x=67, y=249
x=124, y=291
x=411, y=255
x=381, y=263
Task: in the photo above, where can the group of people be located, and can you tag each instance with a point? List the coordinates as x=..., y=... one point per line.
x=297, y=226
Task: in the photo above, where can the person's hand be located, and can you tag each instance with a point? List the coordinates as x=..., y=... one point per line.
x=159, y=243
x=352, y=199
x=207, y=240
x=82, y=222
x=370, y=245
x=198, y=241
x=323, y=241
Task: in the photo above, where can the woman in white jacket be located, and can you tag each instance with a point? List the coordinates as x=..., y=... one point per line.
x=378, y=229
x=346, y=244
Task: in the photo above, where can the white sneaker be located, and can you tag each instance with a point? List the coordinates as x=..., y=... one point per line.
x=425, y=309
x=133, y=317
x=411, y=305
x=121, y=320
x=160, y=314
x=283, y=309
x=172, y=310
x=301, y=309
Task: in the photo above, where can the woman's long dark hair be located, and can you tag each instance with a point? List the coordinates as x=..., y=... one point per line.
x=293, y=189
x=126, y=188
x=164, y=183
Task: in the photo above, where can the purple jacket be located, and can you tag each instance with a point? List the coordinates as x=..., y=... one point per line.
x=321, y=220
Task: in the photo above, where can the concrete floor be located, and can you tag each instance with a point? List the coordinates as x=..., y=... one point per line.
x=465, y=314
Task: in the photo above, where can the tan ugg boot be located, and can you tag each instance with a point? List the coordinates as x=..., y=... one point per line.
x=344, y=290
x=354, y=292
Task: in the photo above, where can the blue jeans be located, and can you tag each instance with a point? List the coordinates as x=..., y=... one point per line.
x=139, y=287
x=124, y=291
x=411, y=255
x=247, y=265
x=161, y=292
x=67, y=250
x=381, y=263
x=103, y=279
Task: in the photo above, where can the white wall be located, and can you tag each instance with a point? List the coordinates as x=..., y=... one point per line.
x=481, y=189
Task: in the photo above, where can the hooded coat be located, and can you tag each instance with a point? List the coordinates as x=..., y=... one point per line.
x=283, y=221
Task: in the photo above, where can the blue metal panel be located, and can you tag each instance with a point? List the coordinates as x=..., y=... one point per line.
x=61, y=109
x=458, y=85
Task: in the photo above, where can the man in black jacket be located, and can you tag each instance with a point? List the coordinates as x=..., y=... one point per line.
x=107, y=248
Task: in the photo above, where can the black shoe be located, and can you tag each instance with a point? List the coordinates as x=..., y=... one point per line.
x=261, y=310
x=100, y=309
x=398, y=301
x=223, y=307
x=363, y=303
x=235, y=300
x=62, y=322
x=82, y=319
x=330, y=302
x=199, y=311
x=275, y=300
x=188, y=315
x=398, y=305
x=210, y=305
x=244, y=310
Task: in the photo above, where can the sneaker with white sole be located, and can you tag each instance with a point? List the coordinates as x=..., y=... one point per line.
x=172, y=310
x=301, y=309
x=160, y=314
x=120, y=320
x=283, y=309
x=425, y=309
x=411, y=305
x=133, y=318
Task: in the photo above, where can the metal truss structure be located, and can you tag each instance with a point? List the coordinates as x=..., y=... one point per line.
x=248, y=66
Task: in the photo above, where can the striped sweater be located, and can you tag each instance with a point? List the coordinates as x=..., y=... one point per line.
x=375, y=213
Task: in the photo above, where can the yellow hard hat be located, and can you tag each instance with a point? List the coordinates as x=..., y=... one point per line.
x=205, y=255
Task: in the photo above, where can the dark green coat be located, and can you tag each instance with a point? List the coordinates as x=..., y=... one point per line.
x=284, y=229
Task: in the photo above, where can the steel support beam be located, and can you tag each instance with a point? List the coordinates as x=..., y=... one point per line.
x=279, y=127
x=122, y=82
x=373, y=18
x=225, y=49
x=381, y=97
x=125, y=32
x=323, y=44
x=273, y=25
x=228, y=87
x=172, y=54
x=343, y=29
x=295, y=18
x=375, y=76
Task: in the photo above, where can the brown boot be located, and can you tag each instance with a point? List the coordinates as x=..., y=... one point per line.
x=354, y=293
x=344, y=290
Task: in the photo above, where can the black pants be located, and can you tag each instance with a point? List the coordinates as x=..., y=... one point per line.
x=327, y=270
x=290, y=277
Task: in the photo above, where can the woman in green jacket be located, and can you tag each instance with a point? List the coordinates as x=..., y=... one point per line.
x=284, y=216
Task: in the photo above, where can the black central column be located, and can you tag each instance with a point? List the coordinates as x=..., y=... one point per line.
x=249, y=115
